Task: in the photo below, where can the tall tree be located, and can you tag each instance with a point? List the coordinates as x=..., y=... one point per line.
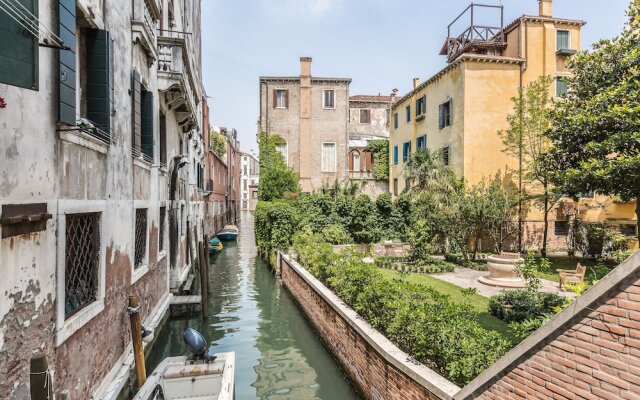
x=596, y=128
x=276, y=178
x=428, y=173
x=525, y=139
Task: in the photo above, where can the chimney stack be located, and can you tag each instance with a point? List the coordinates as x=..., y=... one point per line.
x=305, y=66
x=416, y=82
x=545, y=8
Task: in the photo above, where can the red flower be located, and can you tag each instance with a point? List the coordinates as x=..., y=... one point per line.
x=3, y=104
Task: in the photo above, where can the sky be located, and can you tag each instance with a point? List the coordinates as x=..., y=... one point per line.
x=380, y=44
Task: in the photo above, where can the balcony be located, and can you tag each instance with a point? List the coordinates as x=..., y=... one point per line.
x=366, y=175
x=144, y=27
x=176, y=76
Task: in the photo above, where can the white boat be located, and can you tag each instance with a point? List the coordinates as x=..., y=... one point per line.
x=178, y=378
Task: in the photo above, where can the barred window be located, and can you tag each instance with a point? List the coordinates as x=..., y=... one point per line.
x=82, y=251
x=561, y=228
x=141, y=237
x=163, y=217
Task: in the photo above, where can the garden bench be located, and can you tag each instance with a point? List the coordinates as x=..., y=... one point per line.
x=572, y=276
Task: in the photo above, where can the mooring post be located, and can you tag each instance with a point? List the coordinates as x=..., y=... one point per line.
x=136, y=338
x=203, y=279
x=207, y=262
x=40, y=380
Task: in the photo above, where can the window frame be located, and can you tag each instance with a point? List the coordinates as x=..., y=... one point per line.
x=284, y=99
x=446, y=155
x=395, y=120
x=560, y=231
x=560, y=78
x=424, y=146
x=141, y=270
x=65, y=328
x=407, y=111
x=421, y=105
x=335, y=158
x=324, y=98
x=568, y=39
x=406, y=147
x=286, y=152
x=367, y=120
x=396, y=153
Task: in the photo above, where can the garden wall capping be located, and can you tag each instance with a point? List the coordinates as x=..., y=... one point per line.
x=601, y=292
x=424, y=376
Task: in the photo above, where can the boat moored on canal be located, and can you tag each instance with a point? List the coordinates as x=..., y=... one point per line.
x=228, y=233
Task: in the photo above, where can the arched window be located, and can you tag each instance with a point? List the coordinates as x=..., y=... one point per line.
x=354, y=160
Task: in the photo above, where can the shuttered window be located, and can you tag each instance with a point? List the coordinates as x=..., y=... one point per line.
x=395, y=155
x=406, y=151
x=67, y=62
x=365, y=116
x=18, y=50
x=136, y=110
x=280, y=98
x=329, y=99
x=408, y=113
x=445, y=114
x=282, y=149
x=421, y=142
x=163, y=140
x=99, y=79
x=421, y=105
x=146, y=124
x=395, y=121
x=445, y=155
x=561, y=87
x=328, y=157
x=562, y=41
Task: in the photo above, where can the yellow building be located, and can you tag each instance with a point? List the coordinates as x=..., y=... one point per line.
x=462, y=107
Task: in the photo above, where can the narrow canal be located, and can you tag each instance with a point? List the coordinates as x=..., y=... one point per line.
x=277, y=354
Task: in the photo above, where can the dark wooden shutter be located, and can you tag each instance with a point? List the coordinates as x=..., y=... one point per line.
x=441, y=116
x=286, y=99
x=450, y=121
x=18, y=50
x=67, y=62
x=163, y=139
x=147, y=123
x=98, y=43
x=136, y=91
x=275, y=98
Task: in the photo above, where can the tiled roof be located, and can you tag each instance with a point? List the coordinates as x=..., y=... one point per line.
x=366, y=97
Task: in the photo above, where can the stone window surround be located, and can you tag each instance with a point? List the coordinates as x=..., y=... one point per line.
x=568, y=39
x=66, y=328
x=139, y=272
x=334, y=168
x=324, y=106
x=284, y=100
x=555, y=82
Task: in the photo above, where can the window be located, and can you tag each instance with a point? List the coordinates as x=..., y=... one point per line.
x=282, y=149
x=244, y=204
x=163, y=218
x=395, y=121
x=445, y=114
x=19, y=57
x=561, y=87
x=421, y=142
x=562, y=40
x=395, y=155
x=395, y=186
x=561, y=228
x=140, y=251
x=365, y=116
x=245, y=184
x=329, y=100
x=388, y=116
x=354, y=160
x=328, y=157
x=406, y=151
x=254, y=194
x=421, y=106
x=407, y=111
x=280, y=98
x=142, y=118
x=244, y=170
x=628, y=229
x=163, y=140
x=82, y=252
x=445, y=155
x=244, y=195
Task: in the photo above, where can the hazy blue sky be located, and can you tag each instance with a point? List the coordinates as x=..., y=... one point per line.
x=380, y=44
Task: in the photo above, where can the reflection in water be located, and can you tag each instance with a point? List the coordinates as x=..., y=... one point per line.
x=277, y=355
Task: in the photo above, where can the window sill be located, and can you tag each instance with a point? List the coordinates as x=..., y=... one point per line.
x=85, y=140
x=77, y=321
x=420, y=117
x=141, y=163
x=139, y=272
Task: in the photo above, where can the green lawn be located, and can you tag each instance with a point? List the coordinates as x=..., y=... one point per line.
x=480, y=303
x=570, y=263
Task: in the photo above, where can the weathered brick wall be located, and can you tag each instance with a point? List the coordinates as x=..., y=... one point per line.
x=366, y=366
x=595, y=355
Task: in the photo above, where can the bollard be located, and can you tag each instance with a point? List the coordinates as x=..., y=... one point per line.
x=203, y=279
x=40, y=379
x=136, y=338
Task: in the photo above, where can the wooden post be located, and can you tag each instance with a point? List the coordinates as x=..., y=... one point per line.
x=40, y=382
x=203, y=280
x=207, y=262
x=136, y=337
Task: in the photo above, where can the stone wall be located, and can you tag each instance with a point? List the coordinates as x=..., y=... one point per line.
x=378, y=368
x=591, y=350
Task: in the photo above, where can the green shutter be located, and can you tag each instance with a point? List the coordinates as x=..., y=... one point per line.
x=18, y=50
x=147, y=123
x=98, y=43
x=450, y=113
x=441, y=116
x=67, y=62
x=136, y=91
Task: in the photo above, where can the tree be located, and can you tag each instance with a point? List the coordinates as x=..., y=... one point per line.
x=525, y=139
x=276, y=178
x=595, y=129
x=380, y=152
x=428, y=173
x=218, y=143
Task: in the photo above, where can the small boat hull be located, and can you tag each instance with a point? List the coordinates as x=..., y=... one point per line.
x=228, y=233
x=179, y=378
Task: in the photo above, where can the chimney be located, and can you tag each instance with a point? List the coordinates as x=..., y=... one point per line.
x=394, y=94
x=416, y=82
x=305, y=66
x=545, y=8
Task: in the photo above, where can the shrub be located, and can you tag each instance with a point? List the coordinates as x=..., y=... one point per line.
x=336, y=234
x=458, y=259
x=274, y=225
x=521, y=305
x=620, y=256
x=438, y=332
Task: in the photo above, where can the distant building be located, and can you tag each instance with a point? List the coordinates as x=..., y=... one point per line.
x=249, y=176
x=311, y=114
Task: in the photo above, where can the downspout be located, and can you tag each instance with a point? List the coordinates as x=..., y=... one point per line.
x=523, y=67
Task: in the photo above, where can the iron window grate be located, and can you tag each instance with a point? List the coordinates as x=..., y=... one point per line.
x=81, y=261
x=141, y=236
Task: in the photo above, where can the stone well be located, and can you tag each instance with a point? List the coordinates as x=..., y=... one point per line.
x=502, y=271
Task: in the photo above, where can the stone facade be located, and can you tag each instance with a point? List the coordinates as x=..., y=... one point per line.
x=249, y=175
x=107, y=153
x=297, y=109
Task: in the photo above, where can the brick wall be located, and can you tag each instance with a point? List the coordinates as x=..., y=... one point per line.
x=378, y=368
x=589, y=351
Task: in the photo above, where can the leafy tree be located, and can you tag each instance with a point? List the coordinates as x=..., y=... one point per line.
x=218, y=143
x=595, y=129
x=276, y=178
x=427, y=172
x=525, y=139
x=363, y=225
x=380, y=151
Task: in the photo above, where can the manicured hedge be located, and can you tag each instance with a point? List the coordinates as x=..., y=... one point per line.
x=522, y=305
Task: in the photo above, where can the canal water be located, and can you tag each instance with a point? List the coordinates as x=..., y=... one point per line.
x=277, y=354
